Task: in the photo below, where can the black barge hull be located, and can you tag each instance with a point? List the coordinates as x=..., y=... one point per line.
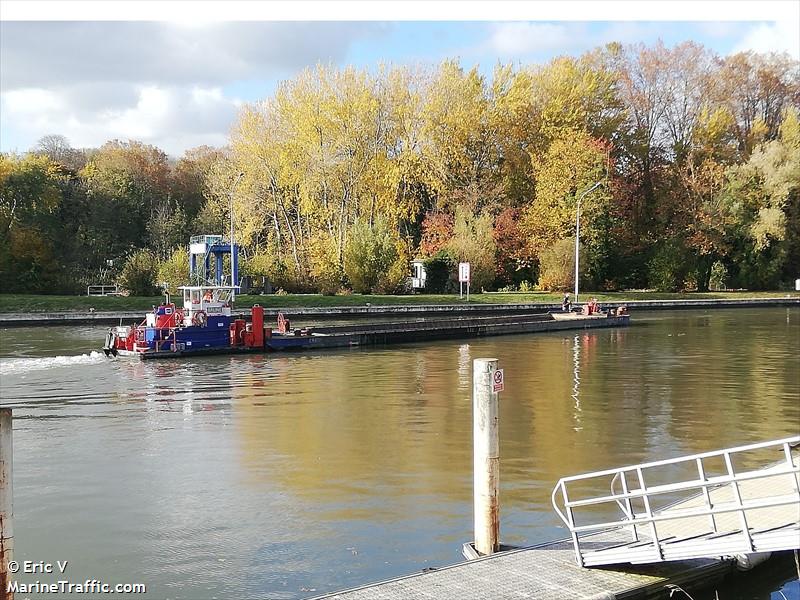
x=381, y=334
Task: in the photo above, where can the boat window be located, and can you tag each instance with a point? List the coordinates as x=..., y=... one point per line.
x=195, y=296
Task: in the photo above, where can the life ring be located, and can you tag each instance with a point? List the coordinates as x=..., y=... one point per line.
x=200, y=318
x=283, y=323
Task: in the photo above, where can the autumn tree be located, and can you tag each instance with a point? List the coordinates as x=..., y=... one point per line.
x=189, y=186
x=571, y=165
x=696, y=152
x=371, y=251
x=762, y=196
x=58, y=149
x=514, y=261
x=126, y=182
x=473, y=242
x=757, y=88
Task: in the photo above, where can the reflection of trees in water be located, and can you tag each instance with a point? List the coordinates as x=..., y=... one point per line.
x=366, y=423
x=350, y=422
x=464, y=367
x=730, y=377
x=402, y=419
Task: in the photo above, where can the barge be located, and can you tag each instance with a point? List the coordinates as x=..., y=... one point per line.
x=205, y=325
x=162, y=340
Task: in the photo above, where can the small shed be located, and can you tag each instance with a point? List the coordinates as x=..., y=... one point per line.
x=418, y=274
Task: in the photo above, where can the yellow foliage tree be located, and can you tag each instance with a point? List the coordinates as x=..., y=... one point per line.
x=571, y=165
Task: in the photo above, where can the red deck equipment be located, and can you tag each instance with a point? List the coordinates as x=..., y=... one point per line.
x=237, y=332
x=257, y=320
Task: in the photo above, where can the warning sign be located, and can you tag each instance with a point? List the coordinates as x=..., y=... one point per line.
x=463, y=272
x=497, y=381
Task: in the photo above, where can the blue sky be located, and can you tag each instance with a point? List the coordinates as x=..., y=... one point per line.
x=480, y=43
x=180, y=84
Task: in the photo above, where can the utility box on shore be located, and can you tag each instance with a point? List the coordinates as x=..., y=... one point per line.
x=419, y=276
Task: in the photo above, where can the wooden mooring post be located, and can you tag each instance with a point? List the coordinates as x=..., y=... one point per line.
x=486, y=457
x=6, y=506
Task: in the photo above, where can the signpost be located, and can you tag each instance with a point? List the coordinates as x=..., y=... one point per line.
x=463, y=277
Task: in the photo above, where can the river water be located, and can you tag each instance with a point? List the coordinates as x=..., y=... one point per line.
x=286, y=476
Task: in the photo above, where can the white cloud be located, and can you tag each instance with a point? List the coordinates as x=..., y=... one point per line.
x=166, y=53
x=720, y=29
x=159, y=82
x=32, y=102
x=172, y=118
x=527, y=38
x=781, y=36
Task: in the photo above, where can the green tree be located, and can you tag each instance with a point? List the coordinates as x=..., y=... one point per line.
x=174, y=270
x=30, y=206
x=473, y=242
x=570, y=166
x=126, y=183
x=139, y=274
x=370, y=254
x=761, y=196
x=441, y=273
x=557, y=266
x=29, y=192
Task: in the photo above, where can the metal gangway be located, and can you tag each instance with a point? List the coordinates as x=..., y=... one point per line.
x=731, y=502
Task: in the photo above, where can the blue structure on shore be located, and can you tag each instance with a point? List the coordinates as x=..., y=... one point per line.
x=203, y=249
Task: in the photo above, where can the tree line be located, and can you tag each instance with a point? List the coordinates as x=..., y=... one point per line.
x=343, y=176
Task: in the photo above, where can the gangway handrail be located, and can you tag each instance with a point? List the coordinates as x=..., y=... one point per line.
x=684, y=514
x=671, y=488
x=687, y=458
x=703, y=485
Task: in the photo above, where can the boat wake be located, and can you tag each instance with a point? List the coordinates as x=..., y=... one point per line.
x=16, y=366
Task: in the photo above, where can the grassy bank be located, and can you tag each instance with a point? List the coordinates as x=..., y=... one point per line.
x=21, y=303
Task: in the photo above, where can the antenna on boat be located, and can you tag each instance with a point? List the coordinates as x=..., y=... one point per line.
x=233, y=258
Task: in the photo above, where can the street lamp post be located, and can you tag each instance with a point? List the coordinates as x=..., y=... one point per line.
x=578, y=235
x=233, y=258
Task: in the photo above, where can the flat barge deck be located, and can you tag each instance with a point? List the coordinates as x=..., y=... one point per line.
x=379, y=334
x=317, y=314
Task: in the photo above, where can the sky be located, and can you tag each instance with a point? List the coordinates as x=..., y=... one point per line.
x=179, y=83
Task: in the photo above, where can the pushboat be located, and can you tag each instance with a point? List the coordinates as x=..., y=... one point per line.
x=204, y=325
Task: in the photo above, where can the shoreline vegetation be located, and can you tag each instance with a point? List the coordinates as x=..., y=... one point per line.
x=29, y=303
x=681, y=166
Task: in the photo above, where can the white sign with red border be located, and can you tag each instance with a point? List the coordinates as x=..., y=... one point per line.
x=463, y=272
x=498, y=384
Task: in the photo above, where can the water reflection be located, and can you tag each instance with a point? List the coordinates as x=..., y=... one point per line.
x=576, y=378
x=464, y=367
